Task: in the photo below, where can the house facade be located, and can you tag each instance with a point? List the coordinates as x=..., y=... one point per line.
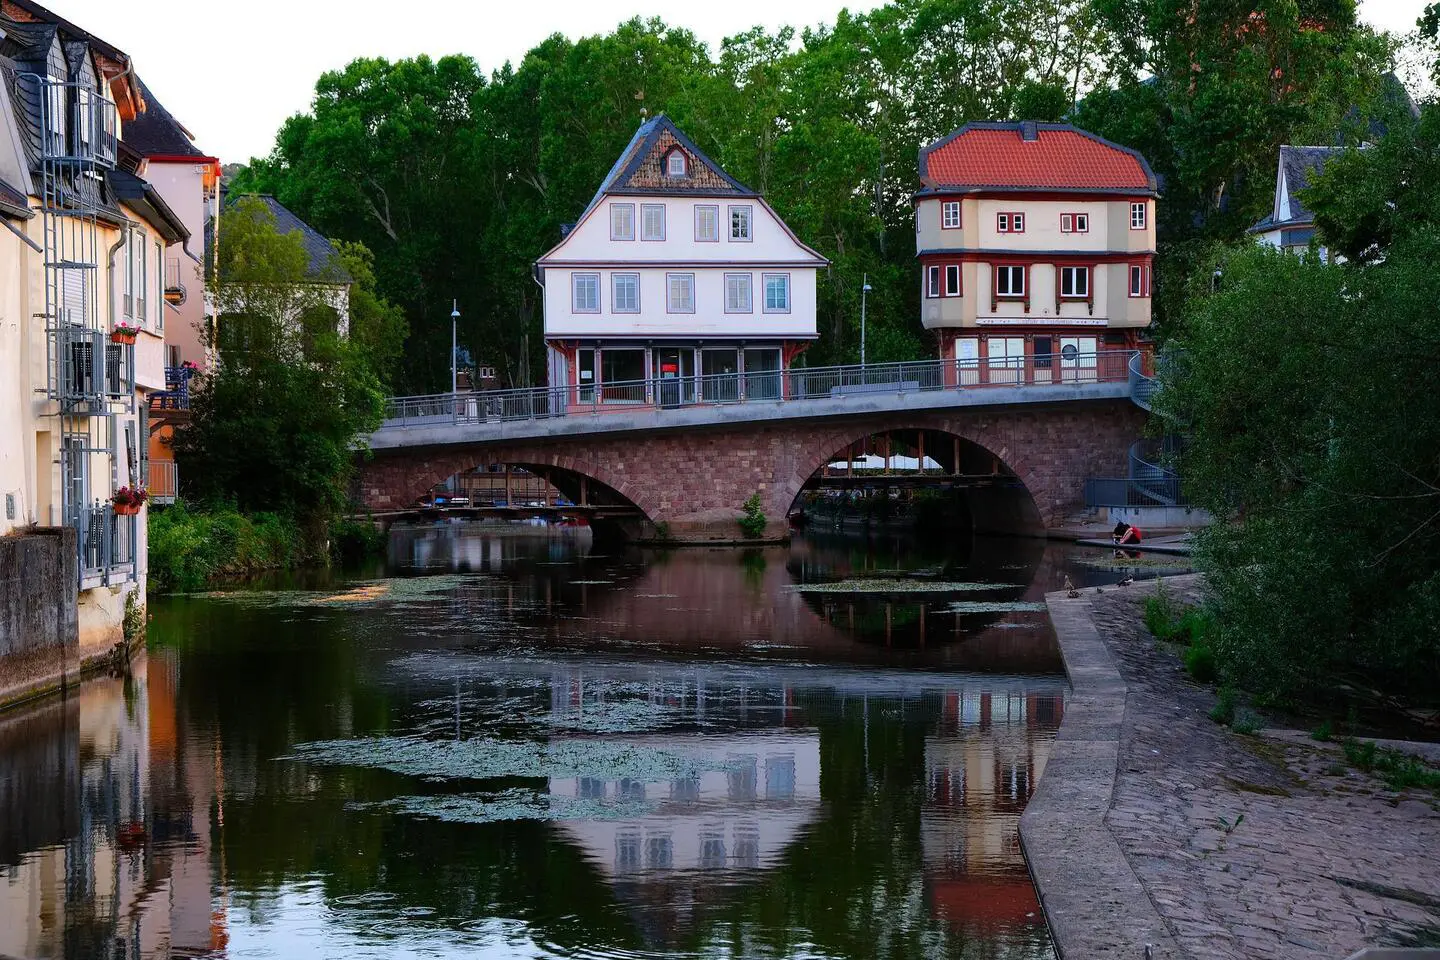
x=1290, y=226
x=678, y=284
x=1036, y=244
x=81, y=291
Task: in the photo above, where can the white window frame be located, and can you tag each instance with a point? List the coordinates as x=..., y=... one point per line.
x=952, y=271
x=784, y=279
x=615, y=210
x=714, y=233
x=1012, y=270
x=1140, y=272
x=932, y=281
x=1074, y=223
x=575, y=281
x=688, y=281
x=1009, y=222
x=739, y=296
x=1139, y=214
x=142, y=286
x=160, y=287
x=948, y=207
x=616, y=301
x=646, y=210
x=749, y=221
x=1072, y=277
x=670, y=159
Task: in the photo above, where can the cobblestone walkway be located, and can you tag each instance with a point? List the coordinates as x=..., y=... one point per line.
x=1253, y=846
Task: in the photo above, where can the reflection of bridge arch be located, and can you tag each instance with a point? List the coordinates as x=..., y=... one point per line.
x=976, y=456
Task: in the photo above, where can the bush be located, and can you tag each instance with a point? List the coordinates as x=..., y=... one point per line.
x=1200, y=661
x=752, y=523
x=1224, y=710
x=354, y=539
x=190, y=548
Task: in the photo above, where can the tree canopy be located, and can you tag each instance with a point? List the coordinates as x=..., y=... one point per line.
x=458, y=181
x=1299, y=385
x=298, y=374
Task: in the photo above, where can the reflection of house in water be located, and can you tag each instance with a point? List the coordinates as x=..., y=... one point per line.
x=739, y=817
x=82, y=883
x=980, y=771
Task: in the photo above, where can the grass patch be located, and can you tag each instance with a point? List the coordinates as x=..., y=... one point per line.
x=1200, y=662
x=1398, y=770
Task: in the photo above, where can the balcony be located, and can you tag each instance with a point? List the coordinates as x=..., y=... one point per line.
x=89, y=370
x=107, y=546
x=79, y=123
x=176, y=395
x=162, y=481
x=175, y=292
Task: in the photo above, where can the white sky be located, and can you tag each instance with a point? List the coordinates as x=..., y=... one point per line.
x=232, y=72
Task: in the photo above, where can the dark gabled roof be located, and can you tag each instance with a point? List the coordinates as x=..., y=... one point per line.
x=637, y=171
x=1027, y=155
x=1299, y=165
x=156, y=132
x=27, y=42
x=325, y=266
x=48, y=18
x=145, y=200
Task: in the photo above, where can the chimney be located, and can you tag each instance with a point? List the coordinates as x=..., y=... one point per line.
x=1029, y=131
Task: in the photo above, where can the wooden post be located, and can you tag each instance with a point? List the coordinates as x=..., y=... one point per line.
x=584, y=490
x=955, y=469
x=850, y=460
x=920, y=456
x=509, y=499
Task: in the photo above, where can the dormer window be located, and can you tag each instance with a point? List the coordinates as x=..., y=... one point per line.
x=675, y=164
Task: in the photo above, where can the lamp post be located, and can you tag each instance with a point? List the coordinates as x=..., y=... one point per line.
x=864, y=289
x=454, y=349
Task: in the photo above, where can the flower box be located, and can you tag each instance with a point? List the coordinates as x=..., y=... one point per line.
x=126, y=509
x=123, y=335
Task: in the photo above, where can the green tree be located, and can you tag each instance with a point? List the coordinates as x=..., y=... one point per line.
x=1297, y=384
x=274, y=422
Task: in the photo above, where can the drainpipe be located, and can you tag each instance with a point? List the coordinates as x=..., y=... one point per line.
x=110, y=267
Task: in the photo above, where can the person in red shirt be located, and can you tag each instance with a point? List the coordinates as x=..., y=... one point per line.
x=1126, y=533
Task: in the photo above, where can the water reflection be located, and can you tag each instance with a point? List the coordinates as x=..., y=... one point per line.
x=548, y=750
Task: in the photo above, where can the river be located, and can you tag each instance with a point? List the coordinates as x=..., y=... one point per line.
x=507, y=742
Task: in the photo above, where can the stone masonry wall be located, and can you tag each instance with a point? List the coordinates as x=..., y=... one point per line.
x=39, y=626
x=696, y=480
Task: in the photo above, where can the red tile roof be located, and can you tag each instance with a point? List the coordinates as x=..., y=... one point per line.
x=1061, y=158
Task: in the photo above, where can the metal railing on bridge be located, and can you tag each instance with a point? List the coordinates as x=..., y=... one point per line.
x=767, y=387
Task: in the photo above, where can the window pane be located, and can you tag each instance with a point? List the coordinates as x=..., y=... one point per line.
x=707, y=223
x=934, y=282
x=1017, y=222
x=654, y=217
x=626, y=297
x=618, y=371
x=777, y=292
x=622, y=221
x=952, y=280
x=682, y=293
x=586, y=293
x=719, y=370
x=739, y=223
x=737, y=293
x=762, y=373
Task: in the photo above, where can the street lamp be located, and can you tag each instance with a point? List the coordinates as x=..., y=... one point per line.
x=454, y=349
x=864, y=289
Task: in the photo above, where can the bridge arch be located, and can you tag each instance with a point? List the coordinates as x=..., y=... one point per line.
x=1014, y=507
x=400, y=482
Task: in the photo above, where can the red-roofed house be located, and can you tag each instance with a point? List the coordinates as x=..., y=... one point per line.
x=1036, y=242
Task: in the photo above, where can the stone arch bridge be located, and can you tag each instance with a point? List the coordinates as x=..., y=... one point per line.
x=691, y=466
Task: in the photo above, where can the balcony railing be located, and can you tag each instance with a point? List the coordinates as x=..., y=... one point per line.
x=162, y=481
x=79, y=124
x=89, y=369
x=107, y=545
x=766, y=387
x=176, y=395
x=174, y=287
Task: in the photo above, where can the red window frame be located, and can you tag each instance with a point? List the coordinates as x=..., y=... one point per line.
x=959, y=215
x=1074, y=221
x=1010, y=221
x=1144, y=269
x=959, y=280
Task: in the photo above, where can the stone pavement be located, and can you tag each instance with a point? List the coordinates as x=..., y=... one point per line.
x=1228, y=846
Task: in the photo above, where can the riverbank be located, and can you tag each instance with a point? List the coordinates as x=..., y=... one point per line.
x=1154, y=825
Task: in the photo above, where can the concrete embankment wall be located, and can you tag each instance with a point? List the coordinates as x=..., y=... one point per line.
x=39, y=619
